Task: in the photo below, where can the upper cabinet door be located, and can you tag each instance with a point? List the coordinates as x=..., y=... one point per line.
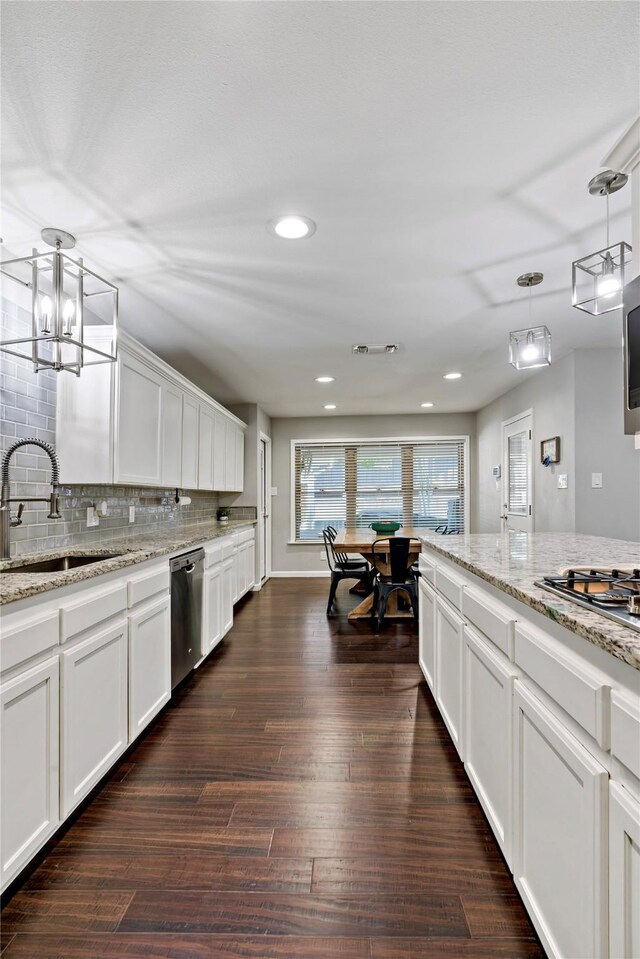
x=219, y=453
x=205, y=448
x=239, y=460
x=190, y=409
x=171, y=435
x=139, y=434
x=230, y=455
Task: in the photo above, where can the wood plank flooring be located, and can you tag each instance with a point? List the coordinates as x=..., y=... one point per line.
x=299, y=798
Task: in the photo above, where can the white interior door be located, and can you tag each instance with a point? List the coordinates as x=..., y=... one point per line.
x=517, y=473
x=264, y=544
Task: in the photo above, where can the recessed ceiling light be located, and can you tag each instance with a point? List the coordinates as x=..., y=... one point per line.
x=330, y=406
x=292, y=227
x=325, y=379
x=425, y=405
x=452, y=376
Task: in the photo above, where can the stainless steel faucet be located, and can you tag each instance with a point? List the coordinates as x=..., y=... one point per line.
x=6, y=519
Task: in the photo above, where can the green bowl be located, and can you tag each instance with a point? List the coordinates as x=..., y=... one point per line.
x=382, y=527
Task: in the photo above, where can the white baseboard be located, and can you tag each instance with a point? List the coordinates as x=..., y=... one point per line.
x=300, y=573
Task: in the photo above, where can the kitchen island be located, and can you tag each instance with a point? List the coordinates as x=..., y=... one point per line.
x=541, y=698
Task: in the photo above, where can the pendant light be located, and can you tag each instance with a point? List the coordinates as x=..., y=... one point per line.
x=73, y=311
x=530, y=348
x=598, y=279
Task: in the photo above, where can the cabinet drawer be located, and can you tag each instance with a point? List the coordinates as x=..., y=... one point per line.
x=245, y=536
x=581, y=692
x=490, y=618
x=146, y=585
x=212, y=553
x=427, y=568
x=94, y=608
x=625, y=731
x=228, y=547
x=27, y=635
x=449, y=585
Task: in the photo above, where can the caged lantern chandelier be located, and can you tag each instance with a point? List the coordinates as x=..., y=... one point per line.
x=74, y=312
x=530, y=348
x=598, y=279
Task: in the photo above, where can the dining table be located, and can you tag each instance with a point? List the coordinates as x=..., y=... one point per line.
x=352, y=540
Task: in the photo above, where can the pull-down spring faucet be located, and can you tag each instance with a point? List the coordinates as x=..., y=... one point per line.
x=6, y=520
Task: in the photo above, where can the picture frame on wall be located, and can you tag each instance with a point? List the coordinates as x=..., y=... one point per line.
x=550, y=451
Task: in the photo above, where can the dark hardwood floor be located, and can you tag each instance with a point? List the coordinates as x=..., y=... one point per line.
x=299, y=798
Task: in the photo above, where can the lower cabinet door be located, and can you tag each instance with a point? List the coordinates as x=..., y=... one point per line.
x=237, y=574
x=624, y=873
x=559, y=834
x=212, y=612
x=427, y=631
x=94, y=711
x=251, y=564
x=28, y=764
x=228, y=589
x=488, y=693
x=149, y=663
x=448, y=656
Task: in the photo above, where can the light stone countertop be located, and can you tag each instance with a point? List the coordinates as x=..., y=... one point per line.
x=131, y=549
x=512, y=562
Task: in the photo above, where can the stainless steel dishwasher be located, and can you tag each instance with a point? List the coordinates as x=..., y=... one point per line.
x=186, y=613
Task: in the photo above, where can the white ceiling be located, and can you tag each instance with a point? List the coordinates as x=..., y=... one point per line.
x=442, y=148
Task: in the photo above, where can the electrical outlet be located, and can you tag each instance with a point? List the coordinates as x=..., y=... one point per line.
x=596, y=481
x=562, y=481
x=92, y=517
x=132, y=514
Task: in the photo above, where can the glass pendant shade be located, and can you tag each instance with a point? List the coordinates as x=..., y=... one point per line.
x=530, y=349
x=74, y=312
x=598, y=279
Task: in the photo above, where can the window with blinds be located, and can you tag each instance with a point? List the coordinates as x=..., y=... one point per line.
x=355, y=483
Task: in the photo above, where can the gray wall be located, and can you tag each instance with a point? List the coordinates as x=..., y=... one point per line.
x=299, y=558
x=550, y=393
x=602, y=447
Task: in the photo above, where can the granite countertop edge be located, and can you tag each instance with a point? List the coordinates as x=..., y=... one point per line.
x=134, y=550
x=619, y=640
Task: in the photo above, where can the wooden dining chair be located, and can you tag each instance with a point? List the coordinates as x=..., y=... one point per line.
x=392, y=572
x=343, y=568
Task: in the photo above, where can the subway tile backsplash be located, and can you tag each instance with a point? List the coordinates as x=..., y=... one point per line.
x=28, y=410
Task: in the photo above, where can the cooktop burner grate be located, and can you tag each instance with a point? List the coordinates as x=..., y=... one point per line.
x=613, y=592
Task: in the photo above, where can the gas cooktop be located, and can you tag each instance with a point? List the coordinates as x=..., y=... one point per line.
x=613, y=592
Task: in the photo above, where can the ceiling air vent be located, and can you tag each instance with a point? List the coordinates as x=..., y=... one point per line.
x=375, y=348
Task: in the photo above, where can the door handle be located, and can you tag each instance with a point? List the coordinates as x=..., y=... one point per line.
x=190, y=569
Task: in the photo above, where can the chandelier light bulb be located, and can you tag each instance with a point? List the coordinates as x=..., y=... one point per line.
x=530, y=351
x=68, y=313
x=609, y=282
x=45, y=314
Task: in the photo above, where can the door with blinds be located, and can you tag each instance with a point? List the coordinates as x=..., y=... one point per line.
x=517, y=473
x=416, y=482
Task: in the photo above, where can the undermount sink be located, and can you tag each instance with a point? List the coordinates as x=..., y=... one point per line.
x=59, y=564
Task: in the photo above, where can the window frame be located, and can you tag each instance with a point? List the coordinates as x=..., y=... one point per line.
x=364, y=441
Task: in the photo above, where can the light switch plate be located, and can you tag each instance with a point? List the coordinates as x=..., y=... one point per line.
x=596, y=481
x=274, y=490
x=563, y=481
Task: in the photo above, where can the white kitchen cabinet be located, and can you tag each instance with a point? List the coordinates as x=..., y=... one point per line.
x=230, y=456
x=29, y=768
x=205, y=448
x=139, y=422
x=219, y=453
x=448, y=668
x=149, y=663
x=559, y=848
x=190, y=413
x=427, y=631
x=94, y=712
x=488, y=693
x=251, y=564
x=212, y=609
x=171, y=435
x=228, y=589
x=624, y=873
x=238, y=461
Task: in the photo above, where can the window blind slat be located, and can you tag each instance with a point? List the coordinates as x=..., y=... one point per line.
x=355, y=484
